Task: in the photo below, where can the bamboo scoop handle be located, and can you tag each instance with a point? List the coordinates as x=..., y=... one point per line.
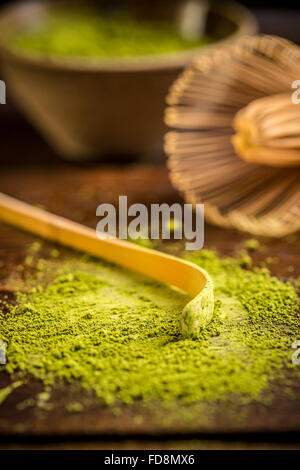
x=165, y=268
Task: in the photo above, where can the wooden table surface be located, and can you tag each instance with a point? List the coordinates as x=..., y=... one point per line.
x=32, y=172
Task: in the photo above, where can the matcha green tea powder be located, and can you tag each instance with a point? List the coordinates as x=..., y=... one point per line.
x=90, y=35
x=118, y=335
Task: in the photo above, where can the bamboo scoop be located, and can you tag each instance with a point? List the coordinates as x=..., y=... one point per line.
x=168, y=269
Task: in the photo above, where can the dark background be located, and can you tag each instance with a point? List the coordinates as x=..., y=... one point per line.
x=252, y=4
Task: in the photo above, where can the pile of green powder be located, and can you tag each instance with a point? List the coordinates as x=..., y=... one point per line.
x=117, y=334
x=88, y=35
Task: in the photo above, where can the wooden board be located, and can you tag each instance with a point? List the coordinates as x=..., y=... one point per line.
x=31, y=172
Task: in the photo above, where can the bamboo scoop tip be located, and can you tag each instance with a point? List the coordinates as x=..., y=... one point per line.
x=198, y=313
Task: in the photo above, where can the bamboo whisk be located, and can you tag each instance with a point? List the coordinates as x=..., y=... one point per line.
x=236, y=146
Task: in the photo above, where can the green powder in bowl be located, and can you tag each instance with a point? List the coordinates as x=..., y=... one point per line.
x=89, y=35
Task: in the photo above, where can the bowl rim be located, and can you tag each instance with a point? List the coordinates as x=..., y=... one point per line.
x=244, y=19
